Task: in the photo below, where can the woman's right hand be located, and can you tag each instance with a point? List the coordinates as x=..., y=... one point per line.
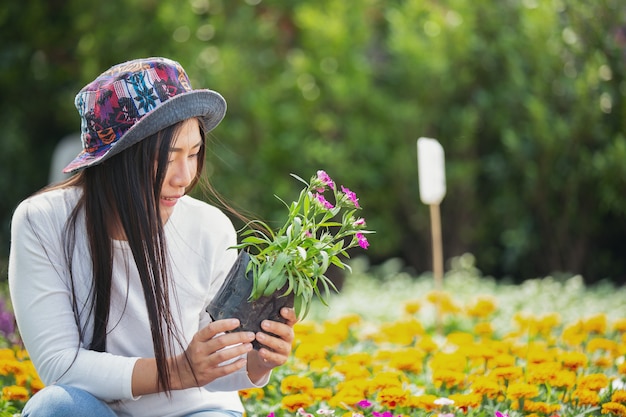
x=211, y=355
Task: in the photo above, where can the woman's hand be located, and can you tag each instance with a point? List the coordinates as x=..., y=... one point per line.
x=211, y=354
x=277, y=348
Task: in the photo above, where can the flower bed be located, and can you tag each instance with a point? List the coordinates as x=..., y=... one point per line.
x=543, y=348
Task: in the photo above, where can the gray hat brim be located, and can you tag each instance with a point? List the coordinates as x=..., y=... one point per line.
x=208, y=104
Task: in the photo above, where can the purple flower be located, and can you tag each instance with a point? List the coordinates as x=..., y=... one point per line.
x=499, y=414
x=7, y=322
x=385, y=414
x=325, y=178
x=362, y=240
x=351, y=196
x=364, y=404
x=325, y=203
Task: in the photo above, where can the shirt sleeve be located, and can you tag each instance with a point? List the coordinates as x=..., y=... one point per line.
x=42, y=302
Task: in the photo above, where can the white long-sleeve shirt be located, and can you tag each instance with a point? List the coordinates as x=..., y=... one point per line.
x=197, y=236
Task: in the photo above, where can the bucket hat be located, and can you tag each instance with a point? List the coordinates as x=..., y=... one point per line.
x=135, y=99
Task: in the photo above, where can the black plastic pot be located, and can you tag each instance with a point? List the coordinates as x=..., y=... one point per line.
x=232, y=300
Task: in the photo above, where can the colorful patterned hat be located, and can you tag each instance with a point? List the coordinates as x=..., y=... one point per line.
x=136, y=99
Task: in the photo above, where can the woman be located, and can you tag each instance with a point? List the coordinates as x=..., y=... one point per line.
x=110, y=272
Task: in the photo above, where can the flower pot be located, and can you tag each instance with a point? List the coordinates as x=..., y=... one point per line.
x=232, y=300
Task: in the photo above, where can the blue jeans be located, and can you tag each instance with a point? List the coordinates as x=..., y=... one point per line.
x=64, y=400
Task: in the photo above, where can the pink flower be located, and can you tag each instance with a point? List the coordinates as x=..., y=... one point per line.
x=499, y=414
x=359, y=222
x=351, y=196
x=363, y=241
x=325, y=178
x=325, y=203
x=302, y=412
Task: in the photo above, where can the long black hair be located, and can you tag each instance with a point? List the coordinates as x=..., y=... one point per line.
x=121, y=197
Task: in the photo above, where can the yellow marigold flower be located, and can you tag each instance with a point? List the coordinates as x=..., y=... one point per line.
x=573, y=360
x=574, y=334
x=482, y=307
x=308, y=352
x=602, y=344
x=593, y=382
x=465, y=401
x=256, y=393
x=7, y=354
x=356, y=387
x=444, y=301
x=412, y=306
x=603, y=362
x=620, y=325
x=295, y=401
x=400, y=332
x=392, y=397
x=596, y=324
x=541, y=407
x=586, y=397
x=508, y=373
x=483, y=329
x=352, y=370
x=538, y=352
x=36, y=385
x=322, y=394
x=427, y=344
x=386, y=380
x=346, y=398
x=305, y=328
x=563, y=379
x=15, y=393
x=422, y=402
x=619, y=396
x=447, y=378
x=408, y=360
x=485, y=386
x=296, y=384
x=542, y=373
x=460, y=338
x=319, y=365
x=621, y=368
x=614, y=408
x=503, y=360
x=517, y=390
x=451, y=361
x=359, y=358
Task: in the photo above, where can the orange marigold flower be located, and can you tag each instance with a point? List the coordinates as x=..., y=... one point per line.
x=573, y=360
x=596, y=324
x=422, y=402
x=563, y=379
x=508, y=373
x=256, y=393
x=586, y=396
x=448, y=379
x=465, y=401
x=593, y=382
x=614, y=408
x=408, y=360
x=541, y=407
x=296, y=384
x=392, y=397
x=619, y=396
x=603, y=362
x=295, y=401
x=15, y=393
x=517, y=390
x=450, y=361
x=486, y=386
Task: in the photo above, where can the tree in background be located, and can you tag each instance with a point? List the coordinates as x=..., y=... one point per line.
x=526, y=97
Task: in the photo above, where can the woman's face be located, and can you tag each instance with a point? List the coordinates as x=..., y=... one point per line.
x=182, y=166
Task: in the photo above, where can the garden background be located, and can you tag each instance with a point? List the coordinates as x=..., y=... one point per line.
x=526, y=97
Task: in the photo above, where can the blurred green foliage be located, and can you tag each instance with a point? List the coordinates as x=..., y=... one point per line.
x=526, y=97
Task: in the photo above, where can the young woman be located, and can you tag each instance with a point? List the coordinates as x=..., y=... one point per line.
x=110, y=272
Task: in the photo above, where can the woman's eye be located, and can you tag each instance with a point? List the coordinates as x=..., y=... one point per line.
x=194, y=155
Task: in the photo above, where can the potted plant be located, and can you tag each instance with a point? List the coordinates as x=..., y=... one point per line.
x=288, y=266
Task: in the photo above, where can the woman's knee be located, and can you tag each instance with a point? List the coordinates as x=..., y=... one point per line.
x=63, y=400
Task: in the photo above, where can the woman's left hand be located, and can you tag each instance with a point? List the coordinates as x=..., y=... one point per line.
x=276, y=348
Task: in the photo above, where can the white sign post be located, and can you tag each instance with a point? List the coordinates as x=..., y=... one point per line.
x=432, y=186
